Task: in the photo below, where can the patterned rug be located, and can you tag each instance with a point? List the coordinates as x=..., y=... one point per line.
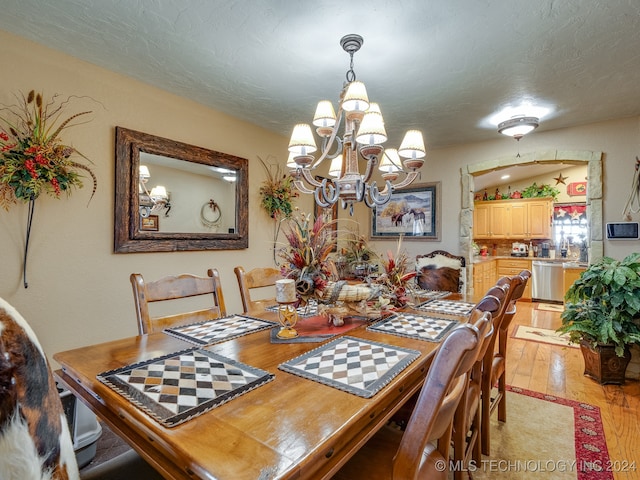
x=542, y=335
x=570, y=439
x=568, y=444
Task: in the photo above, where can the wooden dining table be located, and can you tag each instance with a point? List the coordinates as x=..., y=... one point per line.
x=288, y=428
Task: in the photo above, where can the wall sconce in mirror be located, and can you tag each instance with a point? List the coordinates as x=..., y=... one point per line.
x=154, y=201
x=193, y=175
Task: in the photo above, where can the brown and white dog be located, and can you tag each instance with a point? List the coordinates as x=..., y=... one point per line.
x=35, y=442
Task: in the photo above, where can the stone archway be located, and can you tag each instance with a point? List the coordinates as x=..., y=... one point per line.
x=594, y=194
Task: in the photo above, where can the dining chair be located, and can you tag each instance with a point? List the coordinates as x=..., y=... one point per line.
x=392, y=454
x=172, y=289
x=440, y=270
x=495, y=364
x=257, y=278
x=35, y=441
x=467, y=420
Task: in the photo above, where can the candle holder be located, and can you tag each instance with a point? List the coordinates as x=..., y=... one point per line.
x=288, y=317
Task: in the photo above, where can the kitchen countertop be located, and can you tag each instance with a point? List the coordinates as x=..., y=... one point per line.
x=568, y=262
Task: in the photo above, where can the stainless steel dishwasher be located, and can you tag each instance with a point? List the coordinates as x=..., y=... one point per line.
x=547, y=281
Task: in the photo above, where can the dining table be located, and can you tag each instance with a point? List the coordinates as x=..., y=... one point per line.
x=292, y=417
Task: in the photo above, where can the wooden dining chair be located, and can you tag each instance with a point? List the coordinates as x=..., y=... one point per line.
x=257, y=278
x=172, y=288
x=495, y=366
x=467, y=420
x=441, y=270
x=35, y=441
x=392, y=454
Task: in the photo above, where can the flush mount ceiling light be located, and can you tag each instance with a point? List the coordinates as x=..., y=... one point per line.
x=518, y=127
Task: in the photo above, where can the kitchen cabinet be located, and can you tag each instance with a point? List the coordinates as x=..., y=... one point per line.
x=508, y=267
x=524, y=219
x=570, y=275
x=484, y=277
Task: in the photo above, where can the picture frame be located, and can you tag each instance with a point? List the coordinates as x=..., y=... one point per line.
x=329, y=214
x=412, y=212
x=150, y=223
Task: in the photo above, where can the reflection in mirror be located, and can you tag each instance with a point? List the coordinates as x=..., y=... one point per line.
x=187, y=197
x=173, y=196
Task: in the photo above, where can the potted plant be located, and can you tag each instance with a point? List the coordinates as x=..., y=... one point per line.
x=601, y=314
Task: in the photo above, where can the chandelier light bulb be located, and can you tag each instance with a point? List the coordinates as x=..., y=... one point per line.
x=356, y=98
x=302, y=141
x=335, y=169
x=372, y=131
x=325, y=115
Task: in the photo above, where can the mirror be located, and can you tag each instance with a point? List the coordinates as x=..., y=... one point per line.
x=171, y=196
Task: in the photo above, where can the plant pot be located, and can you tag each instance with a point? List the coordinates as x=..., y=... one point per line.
x=603, y=365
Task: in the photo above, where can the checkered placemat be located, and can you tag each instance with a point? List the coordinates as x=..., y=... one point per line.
x=430, y=294
x=412, y=325
x=219, y=329
x=358, y=366
x=309, y=310
x=449, y=307
x=177, y=387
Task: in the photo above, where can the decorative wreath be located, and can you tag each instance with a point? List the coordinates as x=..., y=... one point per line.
x=217, y=214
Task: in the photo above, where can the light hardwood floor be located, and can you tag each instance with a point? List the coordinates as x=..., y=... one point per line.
x=559, y=371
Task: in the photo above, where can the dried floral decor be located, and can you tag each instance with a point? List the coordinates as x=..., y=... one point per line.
x=276, y=197
x=33, y=158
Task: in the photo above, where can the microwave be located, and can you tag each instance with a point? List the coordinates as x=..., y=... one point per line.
x=622, y=231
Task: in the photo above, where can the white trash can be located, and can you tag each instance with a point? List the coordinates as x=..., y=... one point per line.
x=83, y=425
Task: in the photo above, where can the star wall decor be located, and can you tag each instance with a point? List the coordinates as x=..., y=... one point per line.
x=560, y=179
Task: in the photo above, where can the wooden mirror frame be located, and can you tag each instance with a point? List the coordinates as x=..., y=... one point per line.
x=129, y=238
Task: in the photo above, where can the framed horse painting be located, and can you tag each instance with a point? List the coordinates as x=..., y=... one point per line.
x=412, y=212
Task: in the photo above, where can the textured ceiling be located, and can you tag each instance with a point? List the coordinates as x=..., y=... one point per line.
x=444, y=67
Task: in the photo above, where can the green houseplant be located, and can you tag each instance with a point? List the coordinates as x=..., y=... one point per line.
x=601, y=314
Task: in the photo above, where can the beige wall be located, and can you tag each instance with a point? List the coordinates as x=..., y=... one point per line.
x=79, y=291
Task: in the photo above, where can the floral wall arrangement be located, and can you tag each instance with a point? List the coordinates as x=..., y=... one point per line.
x=33, y=158
x=276, y=197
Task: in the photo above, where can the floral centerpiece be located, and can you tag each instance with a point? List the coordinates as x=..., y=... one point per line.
x=33, y=158
x=305, y=257
x=396, y=278
x=358, y=255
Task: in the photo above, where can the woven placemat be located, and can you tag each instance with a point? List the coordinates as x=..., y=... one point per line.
x=413, y=325
x=219, y=329
x=179, y=386
x=355, y=365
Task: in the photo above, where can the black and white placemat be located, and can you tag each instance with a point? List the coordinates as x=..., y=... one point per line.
x=413, y=325
x=449, y=307
x=358, y=366
x=219, y=329
x=177, y=387
x=430, y=294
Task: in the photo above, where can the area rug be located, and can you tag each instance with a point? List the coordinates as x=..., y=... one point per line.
x=542, y=335
x=546, y=437
x=551, y=307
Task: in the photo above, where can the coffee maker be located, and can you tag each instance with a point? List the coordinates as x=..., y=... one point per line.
x=544, y=247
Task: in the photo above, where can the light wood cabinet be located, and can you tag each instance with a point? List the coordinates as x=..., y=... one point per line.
x=570, y=275
x=484, y=277
x=508, y=267
x=524, y=219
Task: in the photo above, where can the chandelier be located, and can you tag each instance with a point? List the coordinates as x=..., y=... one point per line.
x=364, y=134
